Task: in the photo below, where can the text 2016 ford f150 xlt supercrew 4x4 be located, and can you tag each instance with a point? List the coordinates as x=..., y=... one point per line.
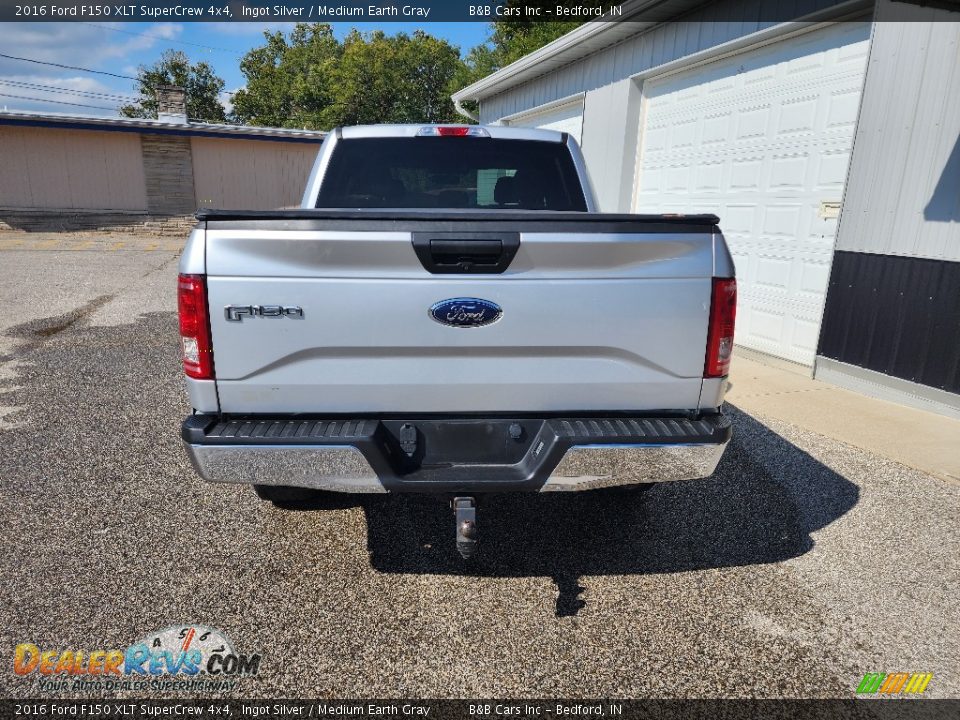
x=448, y=313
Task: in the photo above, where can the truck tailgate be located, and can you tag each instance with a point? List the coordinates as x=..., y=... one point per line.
x=602, y=315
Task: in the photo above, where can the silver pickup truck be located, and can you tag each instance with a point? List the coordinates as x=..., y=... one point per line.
x=448, y=313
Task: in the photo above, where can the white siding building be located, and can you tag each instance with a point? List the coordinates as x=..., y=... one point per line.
x=740, y=109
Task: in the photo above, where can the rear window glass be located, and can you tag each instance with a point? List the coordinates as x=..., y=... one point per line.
x=451, y=172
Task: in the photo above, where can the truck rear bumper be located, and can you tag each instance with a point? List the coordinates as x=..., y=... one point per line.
x=459, y=455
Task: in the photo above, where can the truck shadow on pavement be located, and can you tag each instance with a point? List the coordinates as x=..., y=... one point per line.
x=760, y=506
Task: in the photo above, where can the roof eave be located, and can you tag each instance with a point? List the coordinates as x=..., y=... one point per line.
x=148, y=124
x=527, y=67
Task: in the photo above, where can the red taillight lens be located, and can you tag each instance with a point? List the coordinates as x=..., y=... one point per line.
x=194, y=327
x=723, y=313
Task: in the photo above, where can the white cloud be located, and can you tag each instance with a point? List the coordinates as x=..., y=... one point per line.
x=166, y=31
x=250, y=28
x=226, y=99
x=77, y=44
x=73, y=95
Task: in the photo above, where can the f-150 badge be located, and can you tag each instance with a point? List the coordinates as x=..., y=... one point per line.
x=465, y=312
x=236, y=313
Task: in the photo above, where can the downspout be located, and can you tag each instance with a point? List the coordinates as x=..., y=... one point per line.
x=462, y=110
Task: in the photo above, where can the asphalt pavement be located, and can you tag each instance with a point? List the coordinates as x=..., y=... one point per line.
x=801, y=565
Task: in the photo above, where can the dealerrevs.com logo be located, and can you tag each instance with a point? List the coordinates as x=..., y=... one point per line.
x=181, y=657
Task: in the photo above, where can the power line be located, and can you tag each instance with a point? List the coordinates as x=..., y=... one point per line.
x=158, y=37
x=58, y=102
x=71, y=91
x=83, y=69
x=67, y=67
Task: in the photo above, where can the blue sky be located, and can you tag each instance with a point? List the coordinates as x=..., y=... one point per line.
x=119, y=48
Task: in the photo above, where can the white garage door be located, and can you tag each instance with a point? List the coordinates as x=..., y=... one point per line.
x=762, y=139
x=566, y=118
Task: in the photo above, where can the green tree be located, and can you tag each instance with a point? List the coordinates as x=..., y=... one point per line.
x=392, y=78
x=287, y=82
x=311, y=80
x=203, y=87
x=512, y=39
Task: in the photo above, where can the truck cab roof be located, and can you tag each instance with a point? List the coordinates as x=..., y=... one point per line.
x=413, y=130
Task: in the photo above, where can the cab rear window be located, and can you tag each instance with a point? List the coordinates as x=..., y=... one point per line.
x=451, y=172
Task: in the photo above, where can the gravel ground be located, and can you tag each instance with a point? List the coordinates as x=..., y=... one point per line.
x=801, y=565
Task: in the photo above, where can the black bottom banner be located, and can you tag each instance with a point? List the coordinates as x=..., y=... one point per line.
x=484, y=709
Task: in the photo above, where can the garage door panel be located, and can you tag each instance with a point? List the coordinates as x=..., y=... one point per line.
x=739, y=219
x=677, y=178
x=832, y=170
x=657, y=139
x=683, y=134
x=566, y=118
x=824, y=167
x=797, y=115
x=746, y=174
x=789, y=172
x=716, y=128
x=782, y=221
x=708, y=178
x=770, y=324
x=814, y=276
x=773, y=273
x=843, y=104
x=762, y=139
x=774, y=88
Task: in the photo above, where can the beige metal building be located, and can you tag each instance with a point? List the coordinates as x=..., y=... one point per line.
x=108, y=171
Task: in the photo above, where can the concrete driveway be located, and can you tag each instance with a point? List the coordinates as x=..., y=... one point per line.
x=804, y=563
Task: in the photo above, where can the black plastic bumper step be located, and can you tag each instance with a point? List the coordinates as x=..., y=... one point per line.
x=428, y=453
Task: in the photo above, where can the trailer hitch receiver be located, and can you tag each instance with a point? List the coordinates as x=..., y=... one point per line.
x=465, y=509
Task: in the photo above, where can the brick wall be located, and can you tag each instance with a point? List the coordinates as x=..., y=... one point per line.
x=95, y=222
x=168, y=167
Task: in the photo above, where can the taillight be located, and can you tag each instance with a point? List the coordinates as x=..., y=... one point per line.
x=194, y=327
x=452, y=131
x=723, y=313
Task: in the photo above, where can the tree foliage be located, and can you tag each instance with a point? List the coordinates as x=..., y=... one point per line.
x=202, y=84
x=312, y=80
x=287, y=78
x=509, y=41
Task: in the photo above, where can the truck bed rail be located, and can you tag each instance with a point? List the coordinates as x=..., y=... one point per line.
x=453, y=219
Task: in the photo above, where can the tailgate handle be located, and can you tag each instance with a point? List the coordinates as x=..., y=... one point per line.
x=469, y=253
x=473, y=252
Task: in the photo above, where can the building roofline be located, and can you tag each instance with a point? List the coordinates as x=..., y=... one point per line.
x=639, y=16
x=91, y=122
x=566, y=49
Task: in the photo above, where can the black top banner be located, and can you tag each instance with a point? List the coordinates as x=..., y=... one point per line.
x=312, y=10
x=426, y=11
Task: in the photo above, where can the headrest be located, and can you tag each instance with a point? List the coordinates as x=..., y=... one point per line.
x=505, y=191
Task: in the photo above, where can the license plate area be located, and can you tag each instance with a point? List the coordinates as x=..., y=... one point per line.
x=461, y=442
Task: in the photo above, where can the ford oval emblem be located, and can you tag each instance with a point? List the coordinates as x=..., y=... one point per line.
x=465, y=312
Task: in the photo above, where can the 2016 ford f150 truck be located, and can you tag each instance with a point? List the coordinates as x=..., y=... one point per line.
x=448, y=313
